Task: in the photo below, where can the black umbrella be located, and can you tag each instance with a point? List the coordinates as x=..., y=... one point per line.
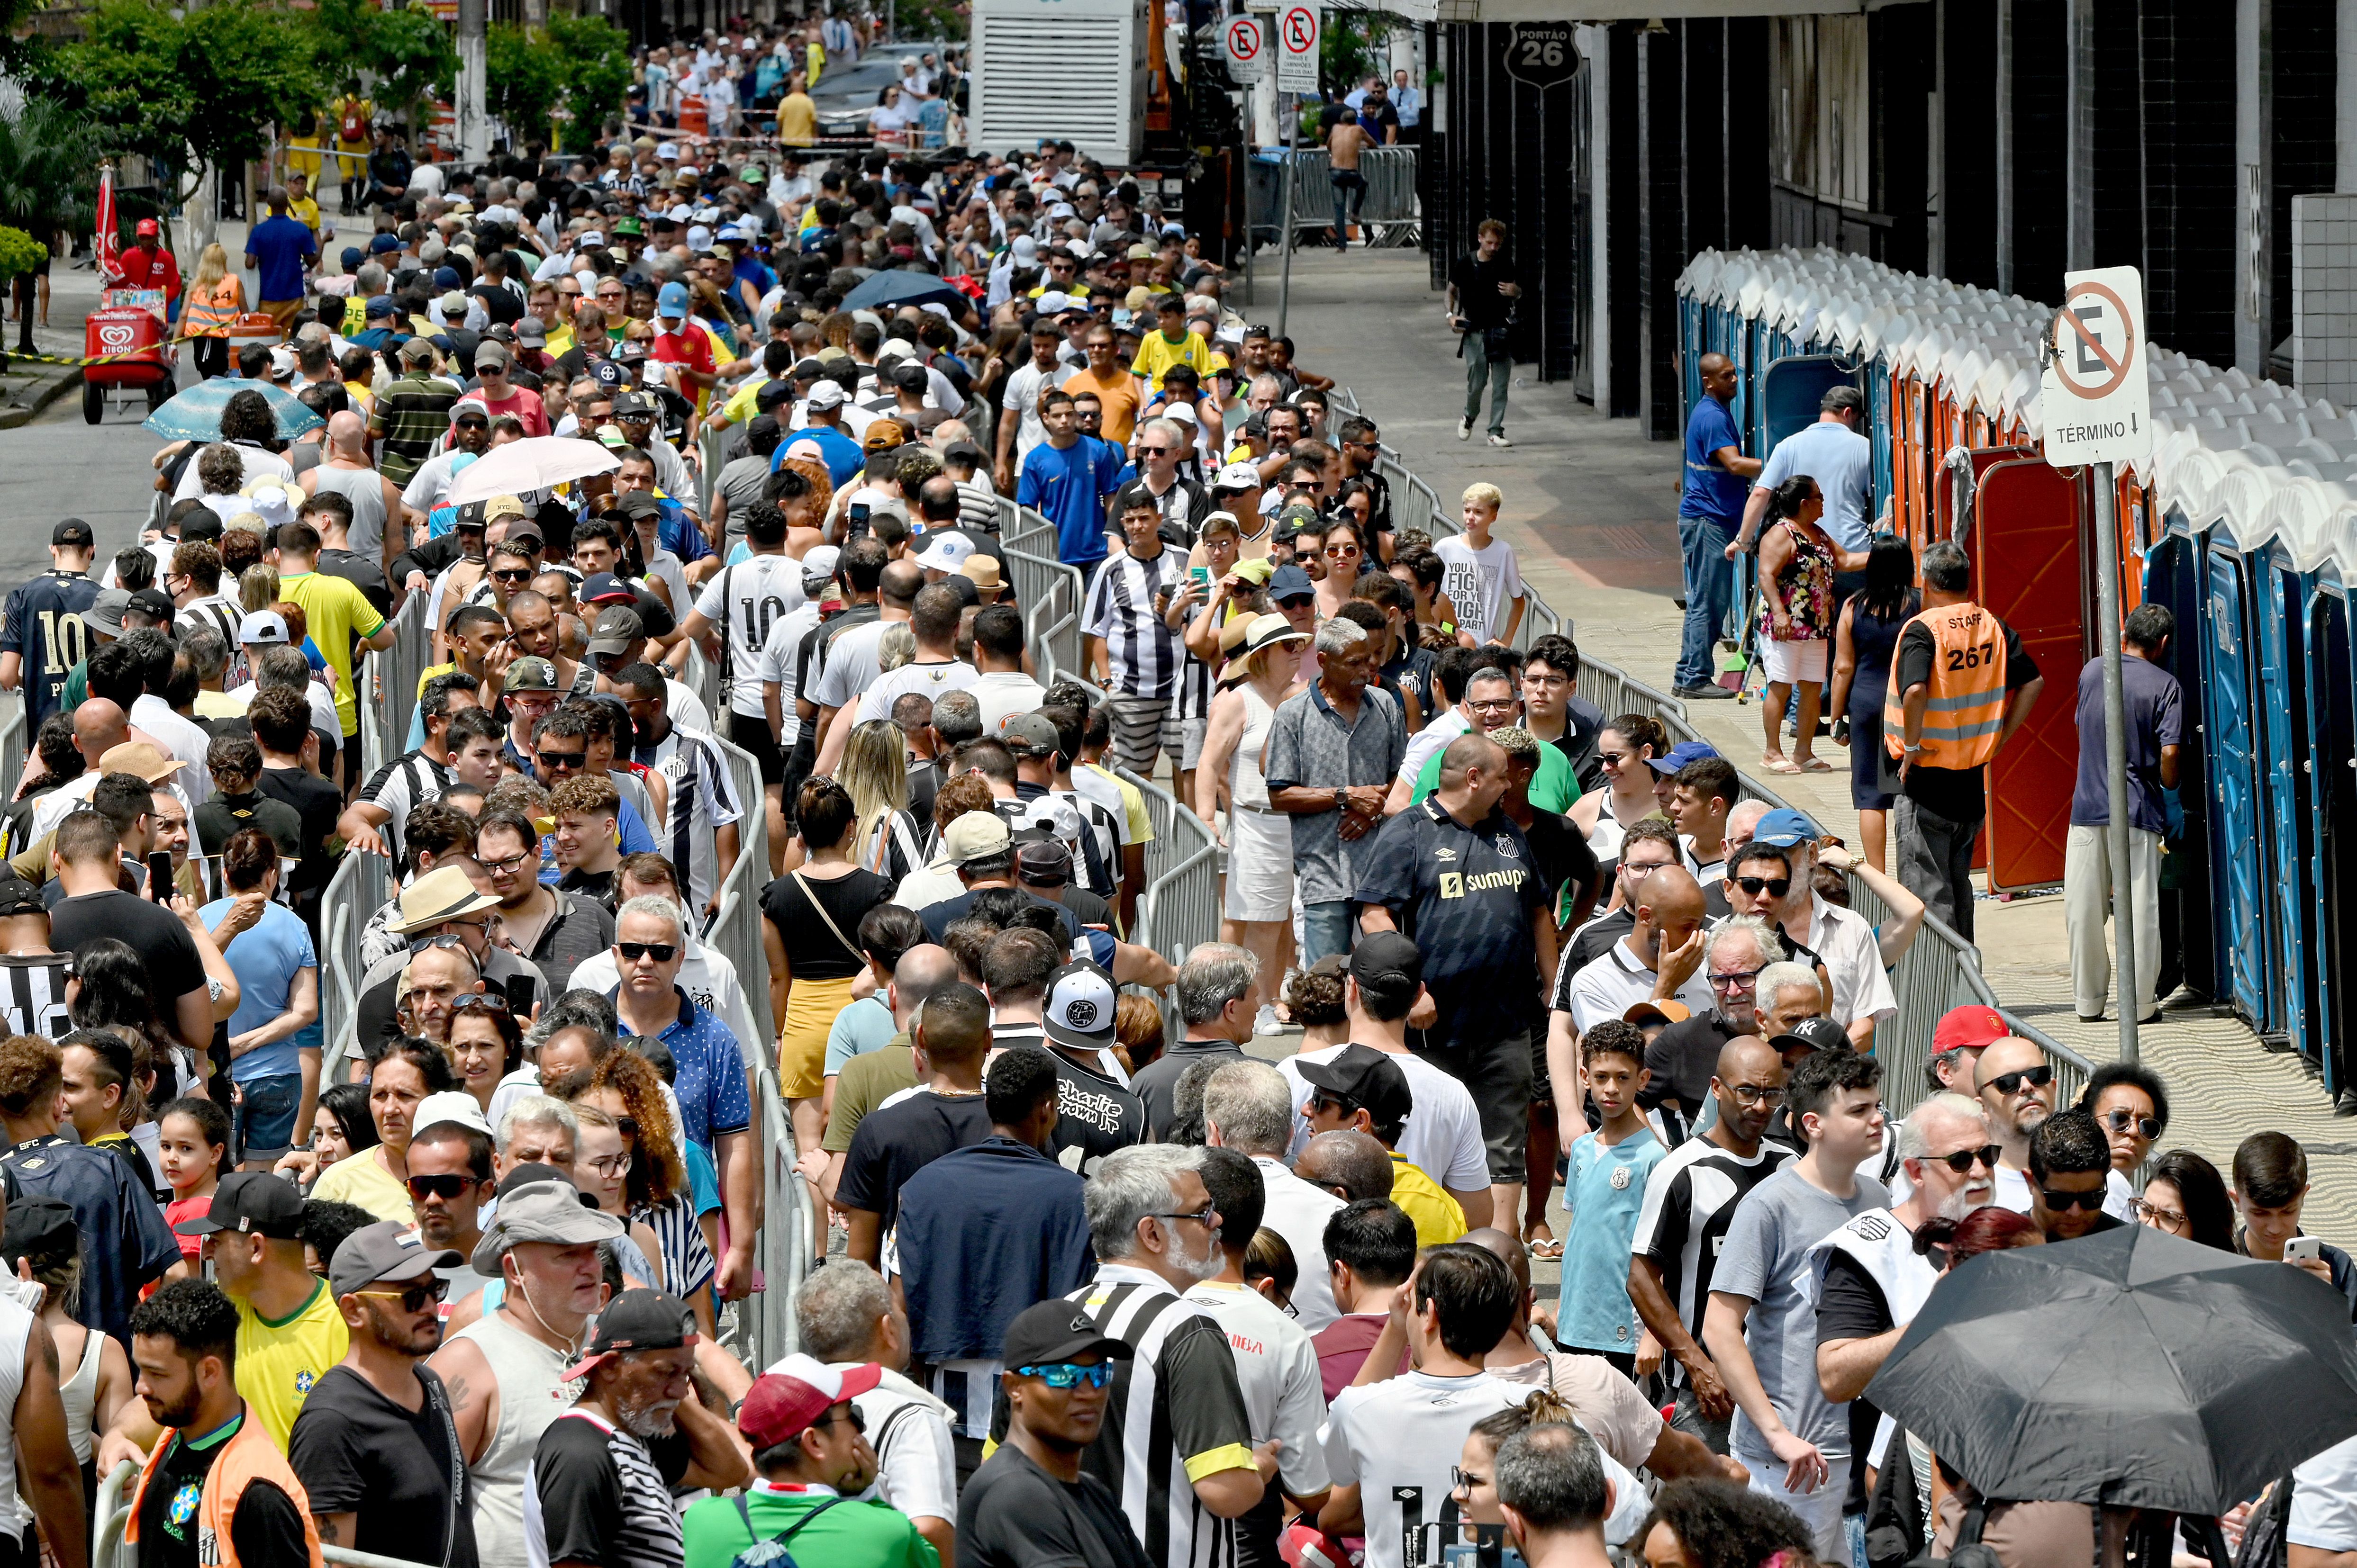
x=2129, y=1368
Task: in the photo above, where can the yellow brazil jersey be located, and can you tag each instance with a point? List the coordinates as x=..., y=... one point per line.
x=1075, y=290
x=335, y=613
x=1157, y=354
x=1439, y=1219
x=306, y=212
x=279, y=1361
x=744, y=402
x=560, y=340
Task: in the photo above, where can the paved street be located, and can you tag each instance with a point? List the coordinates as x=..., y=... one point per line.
x=58, y=467
x=1591, y=509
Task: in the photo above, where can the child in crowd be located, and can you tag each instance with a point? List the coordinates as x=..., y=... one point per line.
x=193, y=1144
x=1602, y=1190
x=1485, y=579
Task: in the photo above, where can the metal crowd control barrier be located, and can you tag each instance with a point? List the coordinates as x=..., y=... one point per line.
x=361, y=885
x=1181, y=905
x=15, y=739
x=1389, y=215
x=1049, y=591
x=767, y=1322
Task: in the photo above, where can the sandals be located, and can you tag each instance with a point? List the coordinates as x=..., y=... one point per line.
x=1814, y=765
x=1545, y=1252
x=1782, y=765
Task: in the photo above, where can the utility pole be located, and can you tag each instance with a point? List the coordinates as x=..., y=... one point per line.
x=2115, y=760
x=474, y=118
x=1289, y=106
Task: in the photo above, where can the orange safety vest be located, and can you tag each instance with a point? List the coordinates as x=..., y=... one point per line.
x=211, y=314
x=1967, y=689
x=248, y=1456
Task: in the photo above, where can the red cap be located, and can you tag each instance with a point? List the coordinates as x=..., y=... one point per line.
x=1970, y=1027
x=145, y=226
x=784, y=1400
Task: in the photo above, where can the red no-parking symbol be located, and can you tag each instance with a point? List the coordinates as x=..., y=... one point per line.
x=1301, y=30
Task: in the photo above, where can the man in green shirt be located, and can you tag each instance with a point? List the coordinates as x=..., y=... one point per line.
x=810, y=1450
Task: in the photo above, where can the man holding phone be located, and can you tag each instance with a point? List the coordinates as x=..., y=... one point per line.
x=86, y=861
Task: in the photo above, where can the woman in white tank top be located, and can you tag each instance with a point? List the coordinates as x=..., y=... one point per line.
x=1258, y=909
x=93, y=1373
x=1626, y=747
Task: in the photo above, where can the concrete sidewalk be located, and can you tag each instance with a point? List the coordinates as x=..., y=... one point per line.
x=1591, y=510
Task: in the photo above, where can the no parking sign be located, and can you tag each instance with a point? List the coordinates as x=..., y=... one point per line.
x=1246, y=48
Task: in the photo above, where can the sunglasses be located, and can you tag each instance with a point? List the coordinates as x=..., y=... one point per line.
x=442, y=1187
x=1962, y=1161
x=2036, y=1076
x=1774, y=887
x=480, y=1001
x=661, y=952
x=523, y=574
x=416, y=1298
x=2060, y=1202
x=1208, y=1217
x=1347, y=551
x=566, y=760
x=1066, y=1374
x=2146, y=1127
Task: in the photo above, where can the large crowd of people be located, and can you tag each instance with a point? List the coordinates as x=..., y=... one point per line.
x=1245, y=1282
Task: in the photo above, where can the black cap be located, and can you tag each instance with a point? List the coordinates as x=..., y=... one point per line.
x=774, y=394
x=1813, y=1035
x=255, y=1202
x=636, y=504
x=911, y=376
x=1366, y=1077
x=18, y=897
x=637, y=1320
x=74, y=531
x=1040, y=863
x=633, y=405
x=1054, y=1331
x=153, y=603
x=1388, y=965
x=202, y=523
x=41, y=1229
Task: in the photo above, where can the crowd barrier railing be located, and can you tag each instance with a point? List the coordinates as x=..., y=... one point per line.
x=1940, y=970
x=1389, y=214
x=1181, y=905
x=1049, y=592
x=361, y=885
x=767, y=1323
x=16, y=740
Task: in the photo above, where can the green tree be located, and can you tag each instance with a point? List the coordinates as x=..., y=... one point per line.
x=408, y=51
x=596, y=73
x=524, y=78
x=48, y=178
x=198, y=91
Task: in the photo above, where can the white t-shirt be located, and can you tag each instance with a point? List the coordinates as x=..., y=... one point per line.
x=1004, y=692
x=1276, y=1367
x=1443, y=1138
x=1398, y=1441
x=777, y=664
x=752, y=598
x=1022, y=398
x=928, y=681
x=850, y=667
x=916, y=1461
x=1481, y=582
x=1297, y=1211
x=2324, y=1501
x=1615, y=981
x=1431, y=737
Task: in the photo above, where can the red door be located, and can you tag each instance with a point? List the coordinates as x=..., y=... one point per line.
x=2030, y=521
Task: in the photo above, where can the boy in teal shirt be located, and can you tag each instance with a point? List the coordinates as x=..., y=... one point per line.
x=1602, y=1193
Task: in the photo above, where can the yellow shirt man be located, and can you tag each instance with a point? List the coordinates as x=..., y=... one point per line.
x=798, y=120
x=334, y=612
x=1159, y=351
x=304, y=211
x=280, y=1360
x=1439, y=1217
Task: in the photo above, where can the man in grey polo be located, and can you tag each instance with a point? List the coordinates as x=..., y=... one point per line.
x=1331, y=753
x=1834, y=453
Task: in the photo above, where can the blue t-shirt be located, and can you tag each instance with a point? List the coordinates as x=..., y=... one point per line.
x=1602, y=1191
x=1068, y=487
x=865, y=1025
x=1842, y=462
x=2155, y=706
x=1711, y=490
x=842, y=453
x=265, y=961
x=282, y=245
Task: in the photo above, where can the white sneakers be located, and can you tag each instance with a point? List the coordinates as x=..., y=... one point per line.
x=1465, y=429
x=1500, y=440
x=1266, y=1023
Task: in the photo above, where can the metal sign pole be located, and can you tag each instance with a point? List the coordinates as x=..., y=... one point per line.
x=1292, y=116
x=2118, y=835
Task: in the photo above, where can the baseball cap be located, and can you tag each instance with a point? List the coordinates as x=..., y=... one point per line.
x=826, y=395
x=947, y=552
x=105, y=616
x=72, y=530
x=1687, y=751
x=1027, y=735
x=1784, y=827
x=1968, y=1028
x=260, y=629
x=417, y=350
x=547, y=1211
x=1387, y=964
x=819, y=566
x=633, y=405
x=1043, y=862
x=152, y=603
x=883, y=436
x=785, y=1400
x=528, y=674
x=1815, y=1035
x=145, y=226
x=1052, y=1331
x=379, y=307
x=492, y=353
x=617, y=629
x=498, y=507
x=600, y=585
x=449, y=1105
x=911, y=376
x=39, y=1228
x=384, y=244
x=636, y=505
x=253, y=1203
x=1647, y=1010
x=1079, y=1012
x=977, y=835
x=1236, y=477
x=18, y=897
x=386, y=1250
x=636, y=1320
x=1289, y=582
x=672, y=303
x=139, y=756
x=1363, y=1076
x=443, y=894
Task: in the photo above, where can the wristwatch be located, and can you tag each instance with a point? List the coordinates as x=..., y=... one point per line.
x=1341, y=799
